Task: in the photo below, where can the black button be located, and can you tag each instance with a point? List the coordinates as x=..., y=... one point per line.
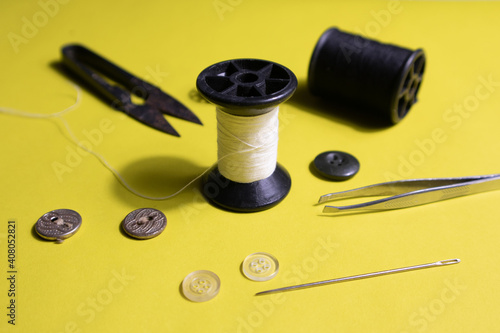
x=336, y=165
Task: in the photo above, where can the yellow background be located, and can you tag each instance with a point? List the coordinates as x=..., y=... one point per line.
x=101, y=281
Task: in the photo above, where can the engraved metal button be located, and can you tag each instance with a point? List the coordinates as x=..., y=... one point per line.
x=144, y=223
x=58, y=224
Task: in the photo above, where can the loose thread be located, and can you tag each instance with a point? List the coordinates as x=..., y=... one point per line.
x=59, y=115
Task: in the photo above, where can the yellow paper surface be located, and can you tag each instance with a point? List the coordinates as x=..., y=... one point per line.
x=102, y=281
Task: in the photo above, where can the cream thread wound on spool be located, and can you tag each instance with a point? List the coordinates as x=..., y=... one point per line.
x=247, y=93
x=247, y=146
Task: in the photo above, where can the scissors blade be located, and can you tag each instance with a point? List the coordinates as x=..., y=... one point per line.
x=168, y=105
x=151, y=117
x=91, y=66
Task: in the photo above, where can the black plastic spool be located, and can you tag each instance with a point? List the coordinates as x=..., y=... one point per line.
x=246, y=87
x=383, y=78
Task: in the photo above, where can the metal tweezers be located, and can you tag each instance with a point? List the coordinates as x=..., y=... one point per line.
x=412, y=192
x=90, y=66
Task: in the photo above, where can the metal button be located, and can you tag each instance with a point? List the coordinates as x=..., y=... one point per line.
x=336, y=165
x=144, y=223
x=201, y=286
x=260, y=266
x=58, y=224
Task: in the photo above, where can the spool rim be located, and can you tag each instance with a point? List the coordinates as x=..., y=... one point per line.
x=402, y=88
x=409, y=83
x=250, y=197
x=311, y=74
x=246, y=86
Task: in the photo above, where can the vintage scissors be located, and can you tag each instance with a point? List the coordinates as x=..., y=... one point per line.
x=90, y=66
x=412, y=192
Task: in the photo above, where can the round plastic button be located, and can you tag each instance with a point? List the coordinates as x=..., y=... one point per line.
x=58, y=224
x=260, y=266
x=144, y=223
x=336, y=165
x=200, y=286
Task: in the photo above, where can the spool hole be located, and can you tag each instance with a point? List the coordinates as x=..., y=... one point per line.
x=247, y=77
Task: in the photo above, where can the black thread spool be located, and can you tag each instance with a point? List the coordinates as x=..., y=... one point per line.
x=383, y=78
x=246, y=88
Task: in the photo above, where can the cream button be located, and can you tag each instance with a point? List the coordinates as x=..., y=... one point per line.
x=200, y=286
x=260, y=266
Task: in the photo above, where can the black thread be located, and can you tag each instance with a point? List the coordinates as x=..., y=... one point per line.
x=382, y=77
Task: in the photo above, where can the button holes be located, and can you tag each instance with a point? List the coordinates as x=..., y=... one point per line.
x=260, y=266
x=201, y=286
x=336, y=165
x=57, y=220
x=335, y=160
x=144, y=223
x=58, y=224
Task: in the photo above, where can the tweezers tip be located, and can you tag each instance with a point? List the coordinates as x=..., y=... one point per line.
x=330, y=209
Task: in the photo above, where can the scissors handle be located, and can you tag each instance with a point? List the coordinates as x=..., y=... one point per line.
x=90, y=66
x=98, y=72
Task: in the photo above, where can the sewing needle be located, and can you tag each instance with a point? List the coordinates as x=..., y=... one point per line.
x=361, y=276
